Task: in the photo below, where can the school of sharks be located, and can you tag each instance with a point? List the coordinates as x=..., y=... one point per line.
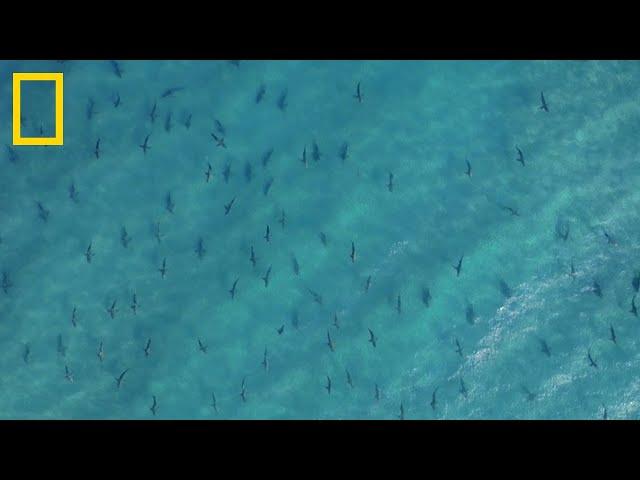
x=260, y=273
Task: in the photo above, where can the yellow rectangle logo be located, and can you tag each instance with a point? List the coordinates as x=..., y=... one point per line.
x=57, y=78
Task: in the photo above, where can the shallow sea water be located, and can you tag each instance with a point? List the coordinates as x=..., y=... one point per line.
x=417, y=120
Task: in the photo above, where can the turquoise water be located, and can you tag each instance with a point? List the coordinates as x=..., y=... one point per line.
x=417, y=120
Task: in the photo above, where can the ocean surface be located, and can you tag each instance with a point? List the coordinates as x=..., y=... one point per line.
x=550, y=241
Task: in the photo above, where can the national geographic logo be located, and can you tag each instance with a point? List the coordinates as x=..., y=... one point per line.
x=18, y=78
